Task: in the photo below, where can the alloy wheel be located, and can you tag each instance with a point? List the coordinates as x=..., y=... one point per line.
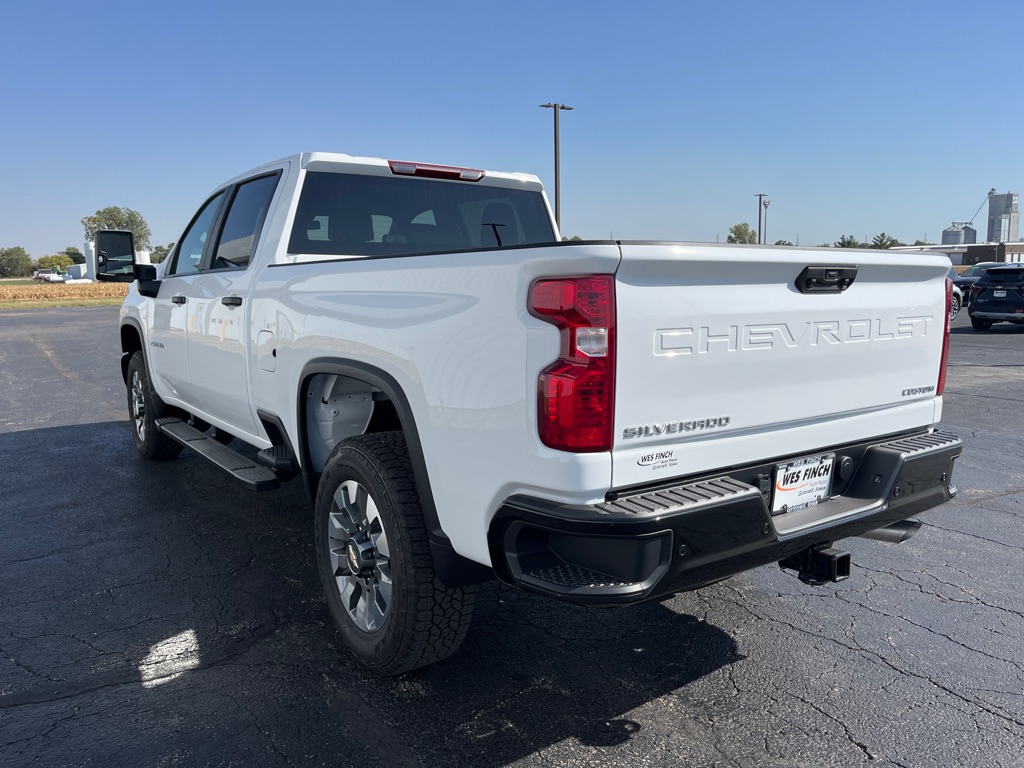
x=360, y=557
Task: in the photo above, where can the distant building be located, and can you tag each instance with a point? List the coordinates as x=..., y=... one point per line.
x=1009, y=252
x=959, y=234
x=1003, y=218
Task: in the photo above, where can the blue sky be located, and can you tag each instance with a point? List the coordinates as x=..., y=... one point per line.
x=854, y=118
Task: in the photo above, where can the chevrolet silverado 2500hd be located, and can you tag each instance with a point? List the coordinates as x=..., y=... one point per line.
x=464, y=396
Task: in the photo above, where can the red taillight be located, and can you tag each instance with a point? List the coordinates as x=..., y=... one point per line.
x=576, y=393
x=451, y=172
x=945, y=340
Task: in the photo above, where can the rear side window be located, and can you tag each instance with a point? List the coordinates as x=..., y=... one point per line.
x=349, y=214
x=243, y=223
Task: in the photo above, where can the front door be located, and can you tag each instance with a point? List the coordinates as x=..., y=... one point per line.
x=168, y=327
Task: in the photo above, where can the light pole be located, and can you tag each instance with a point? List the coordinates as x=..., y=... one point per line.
x=760, y=200
x=558, y=191
x=766, y=203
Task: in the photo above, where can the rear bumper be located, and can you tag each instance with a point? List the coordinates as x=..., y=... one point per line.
x=653, y=542
x=998, y=317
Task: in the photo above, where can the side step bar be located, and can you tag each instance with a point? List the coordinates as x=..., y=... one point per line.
x=248, y=473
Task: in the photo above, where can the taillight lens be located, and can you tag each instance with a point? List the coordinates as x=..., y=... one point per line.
x=945, y=340
x=576, y=393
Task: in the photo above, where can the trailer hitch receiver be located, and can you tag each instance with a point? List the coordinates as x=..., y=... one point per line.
x=819, y=565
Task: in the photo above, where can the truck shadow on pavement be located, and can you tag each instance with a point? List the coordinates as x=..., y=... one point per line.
x=154, y=611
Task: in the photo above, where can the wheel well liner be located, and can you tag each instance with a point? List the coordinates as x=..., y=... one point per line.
x=451, y=568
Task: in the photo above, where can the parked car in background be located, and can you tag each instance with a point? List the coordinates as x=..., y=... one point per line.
x=998, y=297
x=965, y=280
x=957, y=299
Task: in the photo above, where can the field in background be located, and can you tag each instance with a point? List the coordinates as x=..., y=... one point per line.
x=22, y=295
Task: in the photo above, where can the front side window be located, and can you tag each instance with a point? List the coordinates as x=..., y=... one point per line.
x=190, y=249
x=243, y=223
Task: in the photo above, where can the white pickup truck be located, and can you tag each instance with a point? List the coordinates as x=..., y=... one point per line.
x=466, y=397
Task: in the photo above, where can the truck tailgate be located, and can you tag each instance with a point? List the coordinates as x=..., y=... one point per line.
x=721, y=360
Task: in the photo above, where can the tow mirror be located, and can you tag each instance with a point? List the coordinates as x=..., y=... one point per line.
x=115, y=256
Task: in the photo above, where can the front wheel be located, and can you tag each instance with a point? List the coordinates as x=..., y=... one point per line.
x=144, y=408
x=981, y=325
x=374, y=559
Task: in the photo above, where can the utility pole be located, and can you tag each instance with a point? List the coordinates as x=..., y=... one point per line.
x=558, y=186
x=760, y=199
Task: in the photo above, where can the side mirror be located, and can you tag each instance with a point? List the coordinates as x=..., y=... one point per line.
x=115, y=256
x=148, y=284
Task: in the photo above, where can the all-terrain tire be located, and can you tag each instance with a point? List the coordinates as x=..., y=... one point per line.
x=374, y=559
x=144, y=408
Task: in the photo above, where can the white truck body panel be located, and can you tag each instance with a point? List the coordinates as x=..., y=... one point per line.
x=703, y=332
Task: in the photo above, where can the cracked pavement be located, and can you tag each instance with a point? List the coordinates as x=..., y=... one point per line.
x=158, y=613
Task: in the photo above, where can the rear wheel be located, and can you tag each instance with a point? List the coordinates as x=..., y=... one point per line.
x=981, y=325
x=374, y=559
x=144, y=408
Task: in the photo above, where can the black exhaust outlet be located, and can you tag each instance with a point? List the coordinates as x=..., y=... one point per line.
x=819, y=565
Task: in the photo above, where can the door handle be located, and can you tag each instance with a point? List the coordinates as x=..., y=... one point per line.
x=179, y=299
x=232, y=301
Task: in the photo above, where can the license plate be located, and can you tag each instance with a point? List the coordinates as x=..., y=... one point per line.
x=999, y=294
x=802, y=483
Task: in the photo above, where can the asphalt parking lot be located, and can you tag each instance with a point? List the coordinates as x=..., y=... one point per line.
x=157, y=613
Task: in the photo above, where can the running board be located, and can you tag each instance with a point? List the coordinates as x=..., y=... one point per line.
x=247, y=472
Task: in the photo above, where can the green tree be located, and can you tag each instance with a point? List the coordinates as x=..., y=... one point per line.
x=574, y=237
x=159, y=253
x=76, y=256
x=848, y=241
x=824, y=245
x=741, y=233
x=114, y=217
x=783, y=242
x=58, y=262
x=15, y=262
x=884, y=241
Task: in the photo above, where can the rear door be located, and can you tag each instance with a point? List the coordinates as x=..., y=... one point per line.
x=218, y=316
x=723, y=360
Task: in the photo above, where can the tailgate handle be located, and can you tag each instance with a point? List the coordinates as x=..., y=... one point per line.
x=826, y=279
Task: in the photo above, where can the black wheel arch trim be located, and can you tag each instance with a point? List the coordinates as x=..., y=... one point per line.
x=125, y=356
x=452, y=568
x=277, y=433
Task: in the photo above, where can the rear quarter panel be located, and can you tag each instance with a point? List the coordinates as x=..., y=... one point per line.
x=454, y=331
